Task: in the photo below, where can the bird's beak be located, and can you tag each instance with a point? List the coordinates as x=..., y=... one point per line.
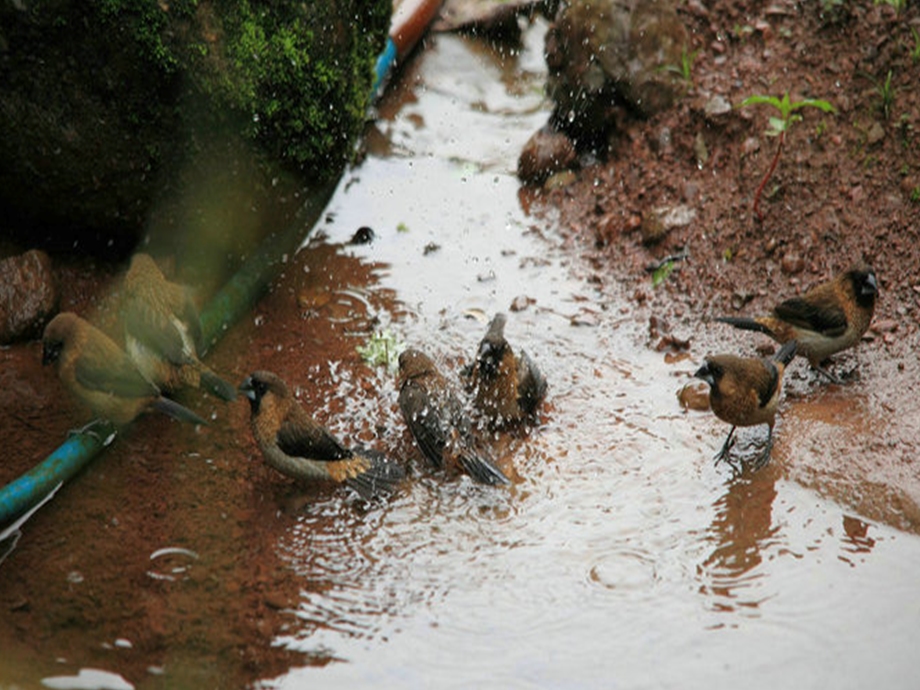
x=705, y=374
x=247, y=389
x=871, y=285
x=50, y=354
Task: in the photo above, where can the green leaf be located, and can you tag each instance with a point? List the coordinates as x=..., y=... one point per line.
x=814, y=103
x=662, y=272
x=757, y=99
x=381, y=349
x=777, y=127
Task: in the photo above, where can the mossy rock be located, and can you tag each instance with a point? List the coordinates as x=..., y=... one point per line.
x=101, y=103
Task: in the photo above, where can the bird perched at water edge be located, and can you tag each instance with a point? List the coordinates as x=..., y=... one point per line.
x=436, y=418
x=100, y=374
x=507, y=388
x=163, y=331
x=745, y=391
x=297, y=446
x=828, y=318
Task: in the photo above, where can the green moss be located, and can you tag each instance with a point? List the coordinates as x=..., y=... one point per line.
x=294, y=77
x=300, y=78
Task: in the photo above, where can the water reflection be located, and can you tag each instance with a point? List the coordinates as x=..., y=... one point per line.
x=742, y=530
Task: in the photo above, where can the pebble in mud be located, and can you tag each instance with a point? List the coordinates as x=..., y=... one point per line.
x=793, y=264
x=545, y=153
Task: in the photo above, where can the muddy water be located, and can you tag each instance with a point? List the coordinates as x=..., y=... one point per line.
x=619, y=557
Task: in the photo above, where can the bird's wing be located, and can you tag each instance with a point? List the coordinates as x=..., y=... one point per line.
x=162, y=335
x=111, y=373
x=822, y=314
x=531, y=384
x=423, y=421
x=306, y=439
x=766, y=382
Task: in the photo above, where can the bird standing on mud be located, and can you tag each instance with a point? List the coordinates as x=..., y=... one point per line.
x=507, y=389
x=828, y=318
x=745, y=391
x=438, y=422
x=163, y=331
x=295, y=445
x=99, y=373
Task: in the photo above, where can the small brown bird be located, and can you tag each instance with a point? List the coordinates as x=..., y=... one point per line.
x=745, y=391
x=438, y=422
x=163, y=332
x=99, y=373
x=295, y=445
x=507, y=388
x=828, y=318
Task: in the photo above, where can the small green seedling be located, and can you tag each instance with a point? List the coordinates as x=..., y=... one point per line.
x=662, y=272
x=381, y=349
x=886, y=95
x=685, y=69
x=915, y=50
x=778, y=127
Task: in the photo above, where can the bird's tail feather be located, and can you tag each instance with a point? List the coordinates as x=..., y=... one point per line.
x=745, y=323
x=381, y=477
x=212, y=383
x=482, y=470
x=786, y=352
x=177, y=411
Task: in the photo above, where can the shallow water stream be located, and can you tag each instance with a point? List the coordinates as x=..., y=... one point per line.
x=620, y=557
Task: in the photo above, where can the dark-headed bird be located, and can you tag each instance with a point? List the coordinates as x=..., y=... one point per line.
x=745, y=391
x=507, y=388
x=163, y=331
x=99, y=373
x=830, y=317
x=297, y=446
x=436, y=418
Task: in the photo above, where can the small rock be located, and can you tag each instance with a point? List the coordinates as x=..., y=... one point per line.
x=560, y=180
x=584, y=318
x=673, y=343
x=717, y=106
x=885, y=326
x=740, y=299
x=793, y=264
x=28, y=295
x=363, y=235
x=676, y=216
x=876, y=133
x=700, y=150
x=694, y=396
x=750, y=145
x=521, y=302
x=652, y=229
x=545, y=153
x=276, y=601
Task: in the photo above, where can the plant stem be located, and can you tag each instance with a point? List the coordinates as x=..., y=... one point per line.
x=763, y=182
